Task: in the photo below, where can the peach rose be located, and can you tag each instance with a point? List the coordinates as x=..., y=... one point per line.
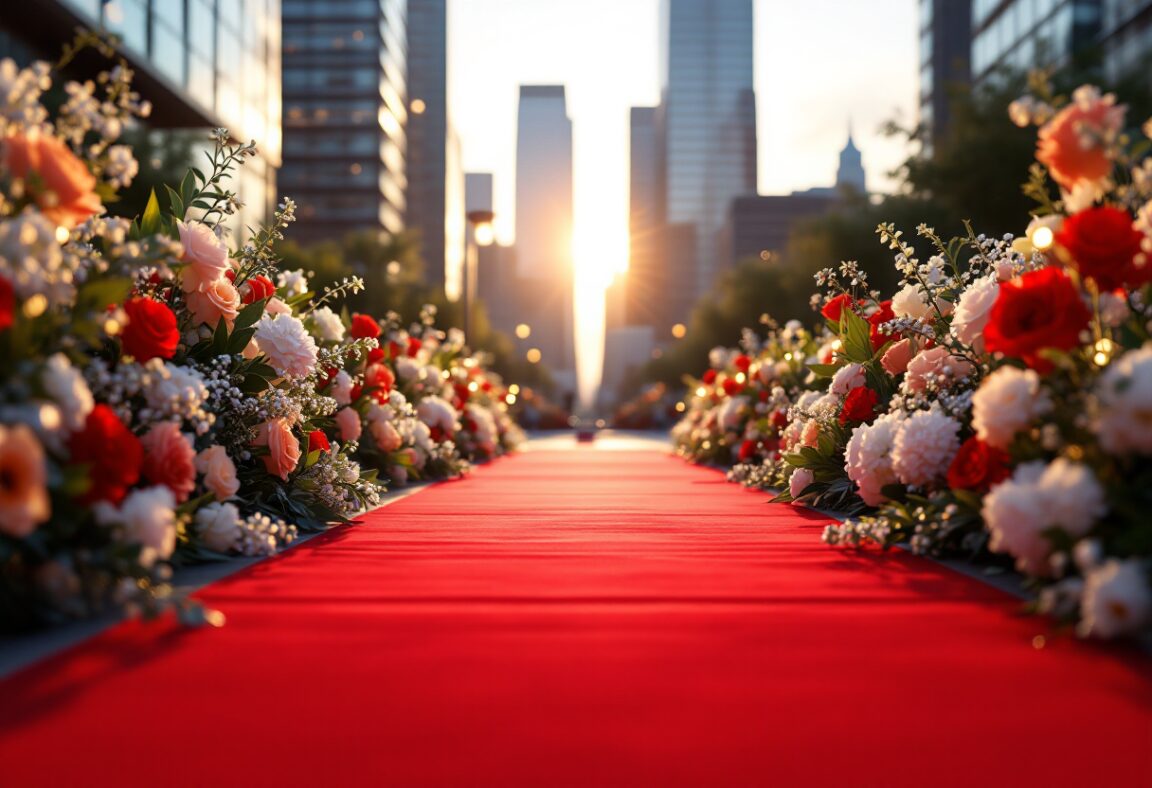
x=283, y=447
x=929, y=365
x=60, y=183
x=169, y=459
x=896, y=358
x=24, y=502
x=1075, y=144
x=386, y=436
x=219, y=472
x=348, y=420
x=205, y=254
x=277, y=307
x=218, y=299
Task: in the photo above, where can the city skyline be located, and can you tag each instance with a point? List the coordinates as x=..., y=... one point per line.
x=606, y=54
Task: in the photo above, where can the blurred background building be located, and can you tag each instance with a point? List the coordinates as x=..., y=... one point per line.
x=544, y=229
x=202, y=63
x=435, y=173
x=345, y=112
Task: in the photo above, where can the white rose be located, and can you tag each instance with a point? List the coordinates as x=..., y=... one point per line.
x=910, y=302
x=799, y=481
x=848, y=377
x=148, y=519
x=341, y=390
x=220, y=526
x=972, y=311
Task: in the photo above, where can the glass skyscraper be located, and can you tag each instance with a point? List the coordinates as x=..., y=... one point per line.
x=708, y=120
x=544, y=227
x=202, y=63
x=435, y=173
x=345, y=112
x=1024, y=34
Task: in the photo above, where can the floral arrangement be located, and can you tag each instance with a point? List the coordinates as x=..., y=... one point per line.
x=170, y=395
x=999, y=404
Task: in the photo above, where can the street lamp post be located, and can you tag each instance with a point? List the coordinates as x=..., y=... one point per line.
x=480, y=234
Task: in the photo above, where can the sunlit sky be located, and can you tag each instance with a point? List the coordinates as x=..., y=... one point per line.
x=819, y=65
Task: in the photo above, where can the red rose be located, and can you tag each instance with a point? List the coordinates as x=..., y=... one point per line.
x=709, y=377
x=380, y=378
x=318, y=441
x=748, y=450
x=375, y=355
x=742, y=362
x=835, y=306
x=258, y=288
x=731, y=387
x=7, y=304
x=779, y=419
x=877, y=319
x=859, y=405
x=114, y=456
x=1042, y=309
x=414, y=345
x=151, y=331
x=1103, y=246
x=364, y=327
x=978, y=466
x=394, y=350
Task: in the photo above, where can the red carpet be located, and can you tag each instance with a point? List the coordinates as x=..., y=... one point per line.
x=577, y=618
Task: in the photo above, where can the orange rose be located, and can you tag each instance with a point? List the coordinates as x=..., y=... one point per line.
x=60, y=183
x=1075, y=144
x=283, y=447
x=24, y=500
x=219, y=472
x=213, y=301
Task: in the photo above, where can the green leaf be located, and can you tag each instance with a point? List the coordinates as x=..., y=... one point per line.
x=150, y=221
x=855, y=333
x=175, y=201
x=220, y=338
x=824, y=370
x=239, y=340
x=96, y=295
x=249, y=315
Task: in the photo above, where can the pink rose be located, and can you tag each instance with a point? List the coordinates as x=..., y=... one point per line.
x=283, y=447
x=61, y=184
x=933, y=364
x=205, y=254
x=810, y=436
x=348, y=420
x=24, y=501
x=217, y=300
x=386, y=436
x=169, y=459
x=219, y=472
x=896, y=358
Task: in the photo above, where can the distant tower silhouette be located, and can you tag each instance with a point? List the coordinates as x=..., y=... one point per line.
x=851, y=171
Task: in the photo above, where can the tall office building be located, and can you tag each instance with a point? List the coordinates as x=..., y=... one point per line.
x=202, y=64
x=945, y=55
x=345, y=113
x=435, y=177
x=1126, y=31
x=645, y=301
x=707, y=119
x=1022, y=34
x=544, y=226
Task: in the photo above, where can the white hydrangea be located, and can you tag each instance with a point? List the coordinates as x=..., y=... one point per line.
x=485, y=425
x=1117, y=599
x=848, y=377
x=290, y=348
x=436, y=412
x=1007, y=402
x=328, y=324
x=292, y=283
x=173, y=390
x=67, y=387
x=32, y=260
x=719, y=357
x=408, y=369
x=972, y=310
x=1016, y=512
x=869, y=457
x=1124, y=404
x=341, y=390
x=924, y=447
